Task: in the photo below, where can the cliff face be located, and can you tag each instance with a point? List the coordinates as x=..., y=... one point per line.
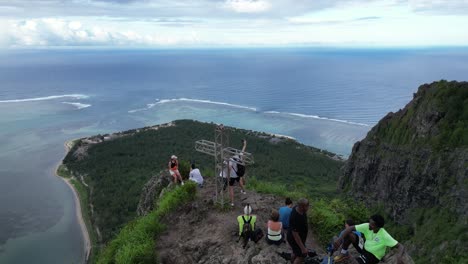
x=416, y=157
x=153, y=189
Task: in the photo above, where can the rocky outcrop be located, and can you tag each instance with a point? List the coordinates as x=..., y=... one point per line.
x=417, y=157
x=202, y=232
x=153, y=189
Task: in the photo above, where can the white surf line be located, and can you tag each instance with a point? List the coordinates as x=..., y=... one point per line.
x=75, y=96
x=164, y=101
x=317, y=117
x=77, y=105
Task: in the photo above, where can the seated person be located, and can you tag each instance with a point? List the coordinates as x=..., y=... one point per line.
x=285, y=212
x=195, y=175
x=377, y=241
x=174, y=169
x=275, y=228
x=246, y=224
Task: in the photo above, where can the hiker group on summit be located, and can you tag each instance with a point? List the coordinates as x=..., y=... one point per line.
x=290, y=225
x=370, y=239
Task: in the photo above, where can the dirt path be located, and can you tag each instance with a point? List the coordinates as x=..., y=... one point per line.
x=201, y=233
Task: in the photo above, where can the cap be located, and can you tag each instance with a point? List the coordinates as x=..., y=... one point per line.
x=247, y=209
x=173, y=157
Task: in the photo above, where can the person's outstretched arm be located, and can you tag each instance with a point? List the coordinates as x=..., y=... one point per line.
x=245, y=145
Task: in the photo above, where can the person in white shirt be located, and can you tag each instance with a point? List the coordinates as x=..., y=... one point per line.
x=230, y=167
x=195, y=175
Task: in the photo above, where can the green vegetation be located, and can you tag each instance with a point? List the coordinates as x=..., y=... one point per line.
x=62, y=171
x=116, y=170
x=272, y=188
x=444, y=103
x=136, y=241
x=327, y=216
x=439, y=236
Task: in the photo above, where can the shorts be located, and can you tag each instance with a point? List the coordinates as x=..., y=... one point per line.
x=233, y=180
x=367, y=258
x=173, y=172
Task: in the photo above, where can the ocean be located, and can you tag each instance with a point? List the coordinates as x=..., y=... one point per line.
x=326, y=98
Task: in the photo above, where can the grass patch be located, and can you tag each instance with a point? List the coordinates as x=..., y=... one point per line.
x=136, y=241
x=439, y=236
x=327, y=216
x=63, y=171
x=272, y=188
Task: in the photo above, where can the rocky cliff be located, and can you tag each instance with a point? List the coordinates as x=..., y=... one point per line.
x=417, y=159
x=152, y=190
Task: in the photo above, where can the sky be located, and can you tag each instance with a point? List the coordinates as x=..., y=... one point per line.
x=232, y=23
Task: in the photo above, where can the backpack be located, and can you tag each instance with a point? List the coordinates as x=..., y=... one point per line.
x=257, y=234
x=327, y=260
x=246, y=230
x=240, y=170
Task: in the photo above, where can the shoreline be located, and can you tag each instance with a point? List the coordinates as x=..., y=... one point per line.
x=79, y=214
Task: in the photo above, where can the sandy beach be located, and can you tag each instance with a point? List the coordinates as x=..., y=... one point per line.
x=79, y=215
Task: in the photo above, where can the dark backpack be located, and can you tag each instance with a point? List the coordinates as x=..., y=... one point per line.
x=257, y=234
x=246, y=230
x=240, y=170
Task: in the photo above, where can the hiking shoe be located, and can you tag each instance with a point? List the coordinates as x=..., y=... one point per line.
x=242, y=191
x=341, y=257
x=182, y=183
x=232, y=204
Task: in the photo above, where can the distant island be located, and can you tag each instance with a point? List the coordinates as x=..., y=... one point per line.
x=112, y=173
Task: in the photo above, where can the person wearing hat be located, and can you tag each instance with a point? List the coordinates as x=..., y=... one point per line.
x=246, y=218
x=174, y=169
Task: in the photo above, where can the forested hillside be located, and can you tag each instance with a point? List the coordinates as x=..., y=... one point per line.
x=116, y=168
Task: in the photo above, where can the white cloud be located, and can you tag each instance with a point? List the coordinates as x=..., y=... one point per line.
x=74, y=25
x=248, y=6
x=248, y=22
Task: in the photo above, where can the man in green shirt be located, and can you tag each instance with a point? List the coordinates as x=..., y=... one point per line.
x=377, y=241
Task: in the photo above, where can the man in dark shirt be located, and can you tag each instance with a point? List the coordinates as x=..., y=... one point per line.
x=298, y=229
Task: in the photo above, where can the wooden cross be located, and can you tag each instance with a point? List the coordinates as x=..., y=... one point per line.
x=222, y=156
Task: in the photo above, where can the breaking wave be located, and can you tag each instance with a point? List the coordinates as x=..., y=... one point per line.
x=77, y=105
x=74, y=96
x=164, y=101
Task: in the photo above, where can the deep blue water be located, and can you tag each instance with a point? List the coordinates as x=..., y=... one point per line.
x=323, y=97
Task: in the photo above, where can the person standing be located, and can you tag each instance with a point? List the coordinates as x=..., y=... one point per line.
x=174, y=169
x=298, y=229
x=241, y=172
x=195, y=175
x=230, y=177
